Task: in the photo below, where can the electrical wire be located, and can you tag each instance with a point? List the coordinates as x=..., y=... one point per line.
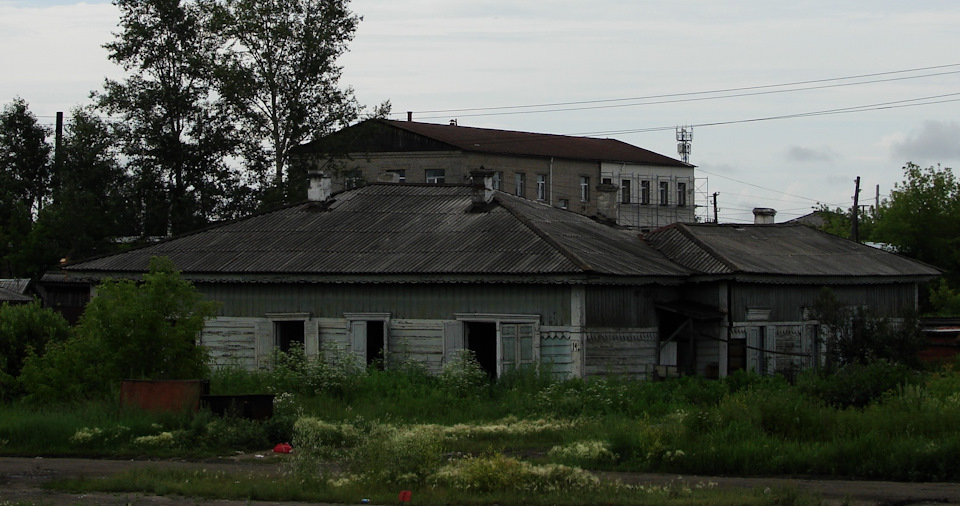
x=692, y=96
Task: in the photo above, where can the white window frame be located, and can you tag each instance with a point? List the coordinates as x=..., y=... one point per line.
x=645, y=192
x=664, y=193
x=498, y=180
x=625, y=190
x=541, y=187
x=519, y=181
x=681, y=194
x=584, y=188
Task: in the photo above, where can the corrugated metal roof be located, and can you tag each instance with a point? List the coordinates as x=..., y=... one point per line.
x=781, y=249
x=12, y=296
x=507, y=142
x=404, y=229
x=15, y=285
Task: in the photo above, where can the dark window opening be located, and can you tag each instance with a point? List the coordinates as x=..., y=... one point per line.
x=481, y=339
x=289, y=334
x=376, y=354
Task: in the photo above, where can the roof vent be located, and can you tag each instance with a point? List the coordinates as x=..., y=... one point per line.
x=763, y=215
x=453, y=122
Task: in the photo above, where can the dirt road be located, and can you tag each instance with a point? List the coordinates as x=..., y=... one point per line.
x=21, y=479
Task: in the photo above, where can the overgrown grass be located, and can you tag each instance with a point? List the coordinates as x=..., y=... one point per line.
x=346, y=490
x=899, y=425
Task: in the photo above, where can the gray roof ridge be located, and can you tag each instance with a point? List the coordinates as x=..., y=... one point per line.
x=684, y=230
x=563, y=250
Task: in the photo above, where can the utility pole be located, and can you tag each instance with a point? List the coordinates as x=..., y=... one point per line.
x=715, y=220
x=855, y=226
x=57, y=180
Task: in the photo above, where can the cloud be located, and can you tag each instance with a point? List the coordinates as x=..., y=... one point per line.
x=802, y=154
x=934, y=141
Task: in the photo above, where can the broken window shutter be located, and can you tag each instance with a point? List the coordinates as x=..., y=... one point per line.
x=358, y=339
x=452, y=340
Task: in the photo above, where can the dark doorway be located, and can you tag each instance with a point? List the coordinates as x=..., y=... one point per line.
x=679, y=329
x=736, y=355
x=376, y=354
x=289, y=335
x=482, y=341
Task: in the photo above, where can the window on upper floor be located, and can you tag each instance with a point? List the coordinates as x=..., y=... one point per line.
x=584, y=189
x=681, y=194
x=519, y=180
x=353, y=179
x=541, y=187
x=644, y=192
x=498, y=181
x=435, y=176
x=664, y=193
x=625, y=191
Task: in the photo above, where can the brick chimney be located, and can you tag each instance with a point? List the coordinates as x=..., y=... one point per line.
x=482, y=181
x=763, y=215
x=320, y=186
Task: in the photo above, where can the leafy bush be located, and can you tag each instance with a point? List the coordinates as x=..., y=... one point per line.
x=590, y=453
x=856, y=385
x=463, y=376
x=402, y=456
x=129, y=330
x=493, y=473
x=25, y=330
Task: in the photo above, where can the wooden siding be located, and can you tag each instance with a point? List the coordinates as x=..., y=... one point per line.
x=621, y=352
x=786, y=302
x=417, y=340
x=413, y=301
x=230, y=342
x=625, y=306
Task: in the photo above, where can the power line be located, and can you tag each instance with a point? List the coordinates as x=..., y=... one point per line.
x=691, y=96
x=897, y=104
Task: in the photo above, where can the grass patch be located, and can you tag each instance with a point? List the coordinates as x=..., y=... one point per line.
x=350, y=490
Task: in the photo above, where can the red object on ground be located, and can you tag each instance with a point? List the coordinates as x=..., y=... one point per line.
x=405, y=496
x=282, y=448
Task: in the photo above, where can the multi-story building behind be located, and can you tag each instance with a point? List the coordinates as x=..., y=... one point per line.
x=604, y=178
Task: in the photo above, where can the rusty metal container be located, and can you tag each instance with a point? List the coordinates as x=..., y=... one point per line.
x=164, y=396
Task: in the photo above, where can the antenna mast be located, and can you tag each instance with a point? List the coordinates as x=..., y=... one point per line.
x=684, y=140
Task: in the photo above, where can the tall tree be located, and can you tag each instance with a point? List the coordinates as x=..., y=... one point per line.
x=24, y=181
x=922, y=218
x=24, y=157
x=91, y=209
x=278, y=70
x=176, y=141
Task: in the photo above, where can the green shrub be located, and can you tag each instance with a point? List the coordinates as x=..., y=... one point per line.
x=129, y=330
x=25, y=330
x=402, y=456
x=463, y=376
x=495, y=473
x=856, y=385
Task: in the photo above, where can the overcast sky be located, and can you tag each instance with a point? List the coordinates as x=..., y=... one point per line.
x=627, y=69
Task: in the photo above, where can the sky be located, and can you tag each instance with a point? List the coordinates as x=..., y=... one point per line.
x=790, y=102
